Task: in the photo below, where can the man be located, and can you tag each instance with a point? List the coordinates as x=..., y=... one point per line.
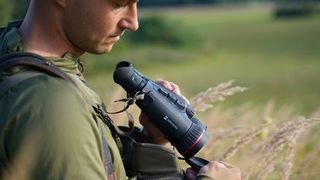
x=48, y=126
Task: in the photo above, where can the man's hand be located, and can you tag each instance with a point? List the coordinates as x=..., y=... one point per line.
x=154, y=132
x=216, y=170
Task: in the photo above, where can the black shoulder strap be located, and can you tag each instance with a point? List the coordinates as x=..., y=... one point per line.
x=33, y=61
x=2, y=29
x=15, y=79
x=36, y=62
x=107, y=158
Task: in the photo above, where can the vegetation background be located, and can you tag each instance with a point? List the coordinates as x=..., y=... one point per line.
x=270, y=47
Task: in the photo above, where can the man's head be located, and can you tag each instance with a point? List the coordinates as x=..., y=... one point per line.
x=79, y=25
x=94, y=26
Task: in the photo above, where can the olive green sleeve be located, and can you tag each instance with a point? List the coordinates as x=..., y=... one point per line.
x=50, y=133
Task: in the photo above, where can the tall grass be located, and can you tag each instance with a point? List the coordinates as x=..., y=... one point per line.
x=264, y=141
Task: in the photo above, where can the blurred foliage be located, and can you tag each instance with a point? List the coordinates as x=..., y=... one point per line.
x=188, y=2
x=295, y=8
x=5, y=11
x=20, y=9
x=173, y=2
x=144, y=3
x=163, y=31
x=12, y=10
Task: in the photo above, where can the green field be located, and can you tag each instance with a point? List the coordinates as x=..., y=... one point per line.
x=276, y=59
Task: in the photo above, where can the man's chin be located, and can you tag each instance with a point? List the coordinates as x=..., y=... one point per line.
x=102, y=50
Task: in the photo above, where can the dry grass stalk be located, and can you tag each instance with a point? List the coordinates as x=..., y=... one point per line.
x=242, y=141
x=316, y=113
x=266, y=170
x=287, y=135
x=267, y=164
x=288, y=162
x=225, y=133
x=289, y=132
x=309, y=168
x=238, y=116
x=203, y=100
x=269, y=109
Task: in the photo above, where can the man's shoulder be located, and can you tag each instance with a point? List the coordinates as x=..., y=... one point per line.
x=47, y=101
x=41, y=91
x=49, y=108
x=45, y=87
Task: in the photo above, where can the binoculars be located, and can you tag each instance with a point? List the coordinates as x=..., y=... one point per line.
x=169, y=111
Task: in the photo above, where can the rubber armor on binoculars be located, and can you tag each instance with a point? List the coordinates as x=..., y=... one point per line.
x=169, y=111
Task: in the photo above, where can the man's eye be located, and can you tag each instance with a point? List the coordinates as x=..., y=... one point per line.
x=123, y=3
x=120, y=5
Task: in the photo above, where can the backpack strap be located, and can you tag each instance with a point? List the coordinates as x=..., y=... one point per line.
x=33, y=61
x=15, y=79
x=41, y=67
x=108, y=165
x=2, y=30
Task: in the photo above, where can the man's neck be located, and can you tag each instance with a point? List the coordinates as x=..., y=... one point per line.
x=42, y=34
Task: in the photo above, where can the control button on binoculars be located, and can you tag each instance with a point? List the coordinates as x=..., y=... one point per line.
x=190, y=112
x=163, y=92
x=181, y=105
x=172, y=98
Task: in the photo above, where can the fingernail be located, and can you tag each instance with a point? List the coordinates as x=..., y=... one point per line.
x=169, y=87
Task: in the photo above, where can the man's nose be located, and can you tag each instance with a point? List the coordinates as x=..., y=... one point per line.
x=130, y=19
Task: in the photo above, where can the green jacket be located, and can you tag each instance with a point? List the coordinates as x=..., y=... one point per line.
x=43, y=115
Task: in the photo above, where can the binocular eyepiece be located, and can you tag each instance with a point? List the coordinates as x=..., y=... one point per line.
x=169, y=111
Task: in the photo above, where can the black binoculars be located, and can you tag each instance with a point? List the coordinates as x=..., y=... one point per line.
x=169, y=111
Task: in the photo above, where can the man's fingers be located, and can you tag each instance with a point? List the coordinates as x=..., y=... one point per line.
x=220, y=171
x=169, y=85
x=156, y=135
x=175, y=88
x=172, y=87
x=190, y=174
x=226, y=164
